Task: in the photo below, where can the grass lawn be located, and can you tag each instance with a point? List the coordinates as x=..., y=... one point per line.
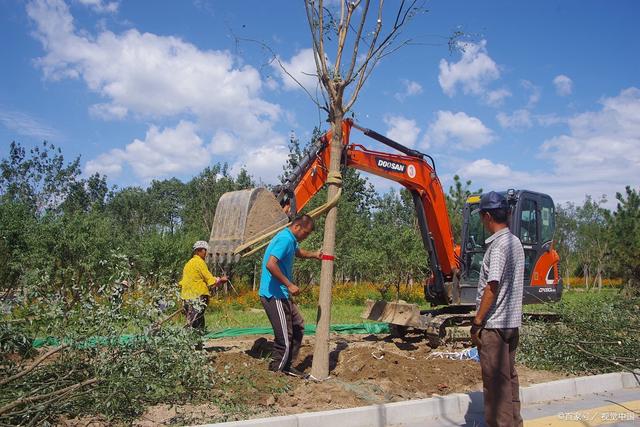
x=255, y=317
x=573, y=298
x=342, y=313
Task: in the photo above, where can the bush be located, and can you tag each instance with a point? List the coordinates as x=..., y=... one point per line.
x=104, y=357
x=598, y=333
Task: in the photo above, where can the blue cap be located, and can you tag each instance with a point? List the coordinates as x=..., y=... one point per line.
x=492, y=200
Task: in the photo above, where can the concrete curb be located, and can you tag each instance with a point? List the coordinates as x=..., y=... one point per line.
x=442, y=407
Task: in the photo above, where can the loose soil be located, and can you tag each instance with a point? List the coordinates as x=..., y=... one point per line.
x=364, y=370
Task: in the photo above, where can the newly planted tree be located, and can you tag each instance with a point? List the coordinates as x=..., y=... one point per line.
x=359, y=36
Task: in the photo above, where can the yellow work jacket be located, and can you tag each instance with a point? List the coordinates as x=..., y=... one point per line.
x=196, y=279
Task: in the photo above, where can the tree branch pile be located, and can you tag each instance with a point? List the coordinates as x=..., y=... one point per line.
x=598, y=334
x=92, y=370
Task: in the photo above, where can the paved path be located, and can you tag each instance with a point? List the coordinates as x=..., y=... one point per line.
x=620, y=408
x=579, y=402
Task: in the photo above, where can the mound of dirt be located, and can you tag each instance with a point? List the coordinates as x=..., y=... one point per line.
x=402, y=377
x=364, y=370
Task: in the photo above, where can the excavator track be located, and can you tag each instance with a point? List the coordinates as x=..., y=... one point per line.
x=440, y=326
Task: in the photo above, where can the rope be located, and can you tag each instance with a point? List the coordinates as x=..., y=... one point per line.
x=335, y=178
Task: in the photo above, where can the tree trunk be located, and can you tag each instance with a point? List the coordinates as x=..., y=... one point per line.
x=320, y=365
x=599, y=280
x=585, y=271
x=566, y=277
x=254, y=277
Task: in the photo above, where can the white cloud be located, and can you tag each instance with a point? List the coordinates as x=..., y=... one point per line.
x=534, y=92
x=223, y=143
x=265, y=162
x=599, y=155
x=403, y=130
x=519, y=119
x=549, y=119
x=485, y=168
x=459, y=131
x=146, y=74
x=108, y=111
x=496, y=97
x=156, y=78
x=162, y=152
x=603, y=144
x=472, y=73
x=411, y=88
x=301, y=67
x=26, y=125
x=271, y=83
x=101, y=6
x=563, y=84
x=110, y=164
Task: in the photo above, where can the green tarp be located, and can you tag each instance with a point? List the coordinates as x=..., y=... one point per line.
x=358, y=328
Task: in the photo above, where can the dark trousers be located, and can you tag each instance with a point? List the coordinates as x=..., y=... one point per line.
x=288, y=328
x=499, y=377
x=194, y=312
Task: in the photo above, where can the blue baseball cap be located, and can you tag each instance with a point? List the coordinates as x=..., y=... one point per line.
x=492, y=200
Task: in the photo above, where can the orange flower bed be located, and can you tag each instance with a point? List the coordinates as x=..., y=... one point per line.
x=578, y=282
x=343, y=293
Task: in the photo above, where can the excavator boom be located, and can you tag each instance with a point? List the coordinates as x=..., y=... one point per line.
x=243, y=217
x=244, y=220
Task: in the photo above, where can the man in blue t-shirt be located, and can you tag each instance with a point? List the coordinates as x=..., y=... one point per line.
x=276, y=287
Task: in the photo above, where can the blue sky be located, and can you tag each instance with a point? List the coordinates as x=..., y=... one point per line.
x=542, y=95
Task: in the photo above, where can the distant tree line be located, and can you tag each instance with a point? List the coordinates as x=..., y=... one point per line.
x=594, y=242
x=66, y=233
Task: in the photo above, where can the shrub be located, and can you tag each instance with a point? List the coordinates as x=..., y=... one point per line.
x=598, y=333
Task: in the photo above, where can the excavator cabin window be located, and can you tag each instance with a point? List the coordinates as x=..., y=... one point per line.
x=529, y=234
x=548, y=217
x=529, y=222
x=475, y=246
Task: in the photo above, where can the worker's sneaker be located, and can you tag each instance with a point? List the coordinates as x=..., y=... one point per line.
x=294, y=372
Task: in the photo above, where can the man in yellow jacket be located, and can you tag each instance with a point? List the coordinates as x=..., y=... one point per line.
x=195, y=284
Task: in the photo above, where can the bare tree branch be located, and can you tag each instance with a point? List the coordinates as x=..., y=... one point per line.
x=30, y=399
x=34, y=365
x=361, y=73
x=377, y=50
x=343, y=31
x=356, y=43
x=276, y=58
x=318, y=42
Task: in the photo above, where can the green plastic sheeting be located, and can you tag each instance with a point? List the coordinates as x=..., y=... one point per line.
x=123, y=340
x=358, y=328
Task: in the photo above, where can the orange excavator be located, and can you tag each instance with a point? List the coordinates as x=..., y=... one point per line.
x=245, y=219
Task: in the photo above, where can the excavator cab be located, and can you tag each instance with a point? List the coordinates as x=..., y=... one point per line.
x=533, y=221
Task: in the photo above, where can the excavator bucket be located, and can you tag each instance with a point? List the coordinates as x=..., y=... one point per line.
x=242, y=216
x=396, y=313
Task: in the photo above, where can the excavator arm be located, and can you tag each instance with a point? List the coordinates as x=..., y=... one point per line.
x=245, y=219
x=419, y=177
x=411, y=170
x=308, y=178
